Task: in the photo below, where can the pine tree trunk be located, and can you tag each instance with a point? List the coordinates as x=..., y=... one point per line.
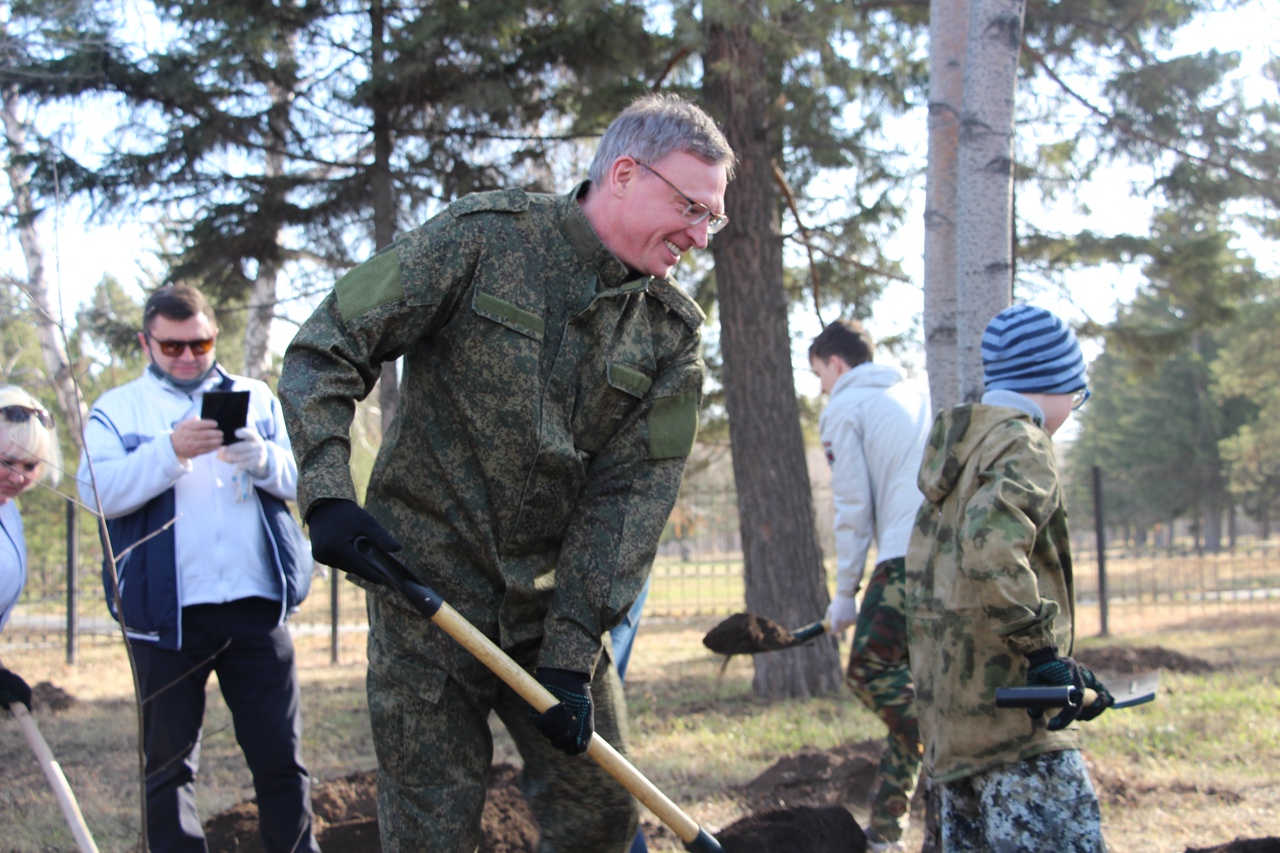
x=785, y=577
x=57, y=365
x=384, y=209
x=984, y=197
x=948, y=30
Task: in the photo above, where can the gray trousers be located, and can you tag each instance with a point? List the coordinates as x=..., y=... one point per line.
x=1045, y=804
x=429, y=707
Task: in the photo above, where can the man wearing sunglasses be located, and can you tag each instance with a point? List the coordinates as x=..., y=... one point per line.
x=218, y=566
x=552, y=377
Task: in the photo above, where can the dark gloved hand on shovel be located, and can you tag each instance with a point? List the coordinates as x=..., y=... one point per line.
x=335, y=525
x=1045, y=668
x=13, y=689
x=569, y=724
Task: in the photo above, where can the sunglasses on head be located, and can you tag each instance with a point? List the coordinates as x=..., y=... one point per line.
x=22, y=414
x=173, y=349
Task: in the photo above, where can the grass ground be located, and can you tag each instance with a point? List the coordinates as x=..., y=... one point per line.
x=1197, y=767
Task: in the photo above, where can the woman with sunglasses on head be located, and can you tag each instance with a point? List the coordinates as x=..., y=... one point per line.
x=28, y=451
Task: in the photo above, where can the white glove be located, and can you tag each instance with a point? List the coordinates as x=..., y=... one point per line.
x=249, y=454
x=842, y=612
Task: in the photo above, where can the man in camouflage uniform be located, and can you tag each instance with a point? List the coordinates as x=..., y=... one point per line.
x=989, y=589
x=551, y=384
x=873, y=432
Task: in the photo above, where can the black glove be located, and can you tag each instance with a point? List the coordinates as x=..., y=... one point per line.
x=335, y=525
x=13, y=689
x=570, y=723
x=1104, y=701
x=1046, y=669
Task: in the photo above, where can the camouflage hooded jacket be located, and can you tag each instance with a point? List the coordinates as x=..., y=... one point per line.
x=546, y=409
x=988, y=580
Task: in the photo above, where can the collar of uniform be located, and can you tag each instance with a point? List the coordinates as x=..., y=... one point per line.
x=610, y=272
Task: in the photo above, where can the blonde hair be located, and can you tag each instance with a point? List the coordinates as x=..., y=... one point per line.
x=30, y=437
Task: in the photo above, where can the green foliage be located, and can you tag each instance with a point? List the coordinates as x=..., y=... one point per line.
x=1169, y=403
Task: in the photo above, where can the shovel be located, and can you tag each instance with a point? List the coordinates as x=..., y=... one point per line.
x=1127, y=690
x=57, y=781
x=749, y=634
x=427, y=602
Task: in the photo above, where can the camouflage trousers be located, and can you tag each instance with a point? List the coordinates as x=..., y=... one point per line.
x=429, y=708
x=880, y=676
x=1045, y=804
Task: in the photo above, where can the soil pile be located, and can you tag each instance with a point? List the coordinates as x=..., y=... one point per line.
x=801, y=804
x=747, y=633
x=805, y=829
x=50, y=697
x=346, y=818
x=1129, y=660
x=1242, y=845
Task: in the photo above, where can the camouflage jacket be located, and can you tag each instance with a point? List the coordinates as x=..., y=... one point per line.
x=546, y=409
x=988, y=580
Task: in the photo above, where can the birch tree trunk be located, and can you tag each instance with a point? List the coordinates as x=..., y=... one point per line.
x=984, y=192
x=57, y=366
x=948, y=33
x=784, y=574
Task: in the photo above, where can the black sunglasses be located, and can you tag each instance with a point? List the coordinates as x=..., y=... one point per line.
x=22, y=414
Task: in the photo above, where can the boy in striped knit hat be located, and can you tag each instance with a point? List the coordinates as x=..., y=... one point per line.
x=991, y=603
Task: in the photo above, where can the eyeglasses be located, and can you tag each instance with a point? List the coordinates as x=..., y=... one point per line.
x=22, y=414
x=1078, y=398
x=695, y=212
x=173, y=349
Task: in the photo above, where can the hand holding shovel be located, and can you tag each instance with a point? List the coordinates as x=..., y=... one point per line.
x=1130, y=691
x=427, y=602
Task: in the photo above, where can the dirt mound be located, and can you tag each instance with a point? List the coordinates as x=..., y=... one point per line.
x=804, y=829
x=346, y=818
x=50, y=697
x=1126, y=660
x=801, y=804
x=1242, y=845
x=843, y=776
x=747, y=633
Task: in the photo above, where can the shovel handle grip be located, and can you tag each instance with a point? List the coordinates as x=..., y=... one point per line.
x=1044, y=697
x=813, y=629
x=430, y=604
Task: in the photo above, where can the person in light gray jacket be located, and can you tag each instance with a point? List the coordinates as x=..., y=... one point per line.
x=873, y=431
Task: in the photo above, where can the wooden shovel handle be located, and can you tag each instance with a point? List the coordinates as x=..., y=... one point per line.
x=62, y=790
x=426, y=601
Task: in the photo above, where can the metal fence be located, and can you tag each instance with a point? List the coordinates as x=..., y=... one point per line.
x=698, y=572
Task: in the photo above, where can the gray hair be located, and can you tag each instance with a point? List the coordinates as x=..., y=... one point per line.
x=655, y=126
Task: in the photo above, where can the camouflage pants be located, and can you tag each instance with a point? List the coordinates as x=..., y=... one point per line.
x=429, y=707
x=880, y=676
x=1045, y=804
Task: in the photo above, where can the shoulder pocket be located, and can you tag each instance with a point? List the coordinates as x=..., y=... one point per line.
x=629, y=379
x=511, y=316
x=673, y=425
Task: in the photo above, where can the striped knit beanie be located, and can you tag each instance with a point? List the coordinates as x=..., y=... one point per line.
x=1029, y=349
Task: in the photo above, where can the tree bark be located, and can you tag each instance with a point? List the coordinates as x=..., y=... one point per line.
x=784, y=573
x=57, y=365
x=984, y=196
x=262, y=298
x=384, y=209
x=948, y=32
